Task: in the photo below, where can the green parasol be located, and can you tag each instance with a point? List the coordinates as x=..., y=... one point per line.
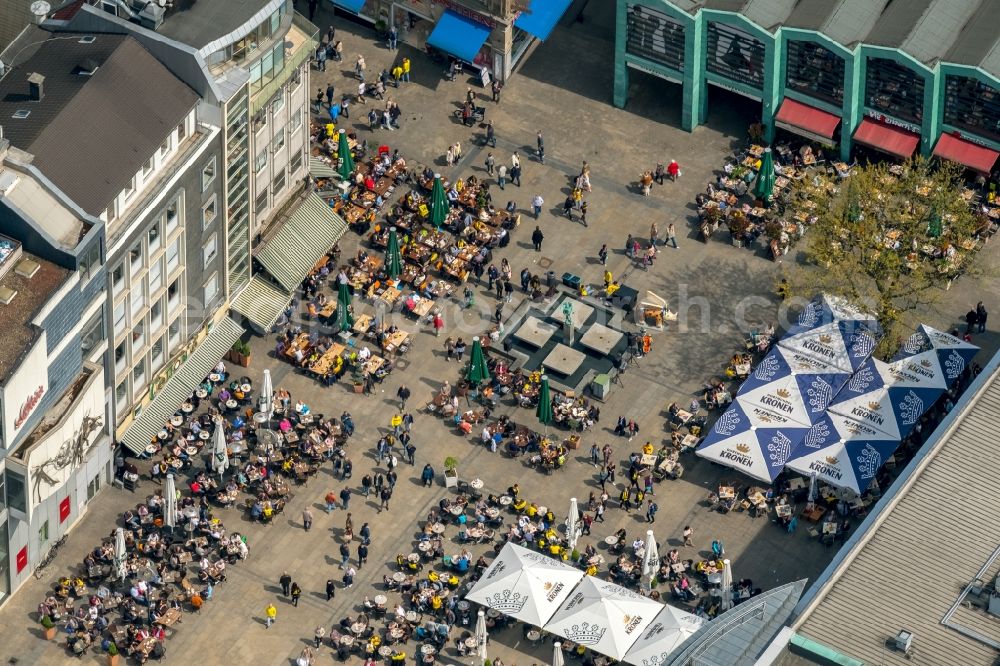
x=544, y=410
x=393, y=260
x=439, y=203
x=763, y=187
x=346, y=161
x=344, y=317
x=478, y=372
x=934, y=228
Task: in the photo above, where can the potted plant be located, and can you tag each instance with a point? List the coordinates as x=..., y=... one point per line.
x=240, y=353
x=575, y=556
x=738, y=225
x=573, y=442
x=112, y=655
x=48, y=627
x=450, y=472
x=358, y=381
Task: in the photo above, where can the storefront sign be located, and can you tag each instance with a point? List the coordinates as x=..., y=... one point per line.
x=889, y=120
x=458, y=8
x=649, y=70
x=28, y=406
x=64, y=509
x=732, y=88
x=972, y=138
x=21, y=560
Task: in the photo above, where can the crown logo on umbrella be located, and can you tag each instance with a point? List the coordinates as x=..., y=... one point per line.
x=507, y=601
x=783, y=393
x=743, y=448
x=826, y=339
x=874, y=405
x=584, y=633
x=832, y=460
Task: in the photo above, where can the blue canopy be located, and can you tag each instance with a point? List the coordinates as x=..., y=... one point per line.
x=825, y=309
x=798, y=386
x=541, y=17
x=353, y=6
x=460, y=36
x=954, y=354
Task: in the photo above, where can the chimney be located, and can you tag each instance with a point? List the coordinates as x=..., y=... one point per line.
x=35, y=91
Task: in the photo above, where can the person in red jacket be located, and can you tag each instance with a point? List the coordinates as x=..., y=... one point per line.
x=674, y=169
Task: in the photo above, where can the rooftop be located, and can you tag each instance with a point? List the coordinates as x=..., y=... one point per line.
x=26, y=194
x=199, y=22
x=106, y=105
x=15, y=318
x=979, y=43
x=846, y=22
x=925, y=29
x=933, y=539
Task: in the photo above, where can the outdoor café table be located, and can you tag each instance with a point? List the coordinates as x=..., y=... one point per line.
x=438, y=528
x=201, y=393
x=492, y=613
x=187, y=408
x=678, y=567
x=683, y=416
x=413, y=557
x=347, y=640
x=476, y=484
x=829, y=527
x=374, y=364
x=427, y=649
x=470, y=642
x=714, y=578
x=163, y=435
x=395, y=340
x=390, y=295
x=411, y=616
x=597, y=559
x=463, y=605
x=647, y=460
x=756, y=498
x=796, y=484
x=358, y=628
x=815, y=514
x=492, y=512
x=171, y=617
x=204, y=434
x=231, y=404
x=328, y=310
x=783, y=510
x=119, y=634
x=533, y=635
x=176, y=421
x=424, y=546
x=611, y=540
x=726, y=492
x=626, y=566
x=146, y=646
x=456, y=510
x=399, y=577
x=423, y=307
x=505, y=500
x=385, y=650
x=215, y=378
x=362, y=324
x=476, y=532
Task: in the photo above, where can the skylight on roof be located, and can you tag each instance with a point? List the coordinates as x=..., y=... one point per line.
x=21, y=114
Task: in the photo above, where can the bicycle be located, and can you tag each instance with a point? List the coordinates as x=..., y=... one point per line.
x=49, y=556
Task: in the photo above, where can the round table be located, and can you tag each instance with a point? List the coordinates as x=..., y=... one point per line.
x=470, y=642
x=413, y=557
x=533, y=635
x=399, y=577
x=347, y=640
x=260, y=417
x=357, y=628
x=476, y=484
x=611, y=540
x=542, y=510
x=424, y=546
x=151, y=448
x=427, y=649
x=215, y=378
x=505, y=500
x=456, y=510
x=411, y=616
x=204, y=434
x=380, y=599
x=163, y=435
x=201, y=393
x=231, y=404
x=463, y=605
x=246, y=388
x=176, y=421
x=596, y=560
x=438, y=528
x=187, y=408
x=191, y=450
x=714, y=579
x=492, y=613
x=385, y=650
x=492, y=512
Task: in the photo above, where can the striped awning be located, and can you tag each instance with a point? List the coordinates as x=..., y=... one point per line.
x=261, y=302
x=184, y=380
x=320, y=169
x=307, y=235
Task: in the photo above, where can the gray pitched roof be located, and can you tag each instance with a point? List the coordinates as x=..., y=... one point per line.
x=846, y=22
x=978, y=44
x=929, y=543
x=925, y=29
x=91, y=133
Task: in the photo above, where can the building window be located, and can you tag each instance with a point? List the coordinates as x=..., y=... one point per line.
x=139, y=376
x=43, y=533
x=973, y=106
x=815, y=71
x=172, y=217
x=278, y=142
x=117, y=279
x=296, y=163
x=156, y=315
x=138, y=337
x=153, y=238
x=156, y=354
x=121, y=353
x=165, y=147
x=208, y=174
x=16, y=496
x=3, y=535
x=296, y=121
x=119, y=318
x=735, y=54
x=279, y=183
x=173, y=255
x=279, y=103
x=90, y=261
x=181, y=131
x=137, y=298
x=155, y=276
x=211, y=289
x=147, y=168
x=121, y=396
x=895, y=90
x=261, y=161
x=173, y=295
x=208, y=213
x=209, y=250
x=135, y=259
x=655, y=36
x=174, y=333
x=261, y=202
x=129, y=190
x=92, y=333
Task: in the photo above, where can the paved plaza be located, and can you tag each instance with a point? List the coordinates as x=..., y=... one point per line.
x=719, y=292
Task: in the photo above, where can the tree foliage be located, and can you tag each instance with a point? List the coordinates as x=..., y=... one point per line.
x=888, y=238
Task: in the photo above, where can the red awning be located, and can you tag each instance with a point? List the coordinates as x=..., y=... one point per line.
x=806, y=120
x=977, y=158
x=893, y=140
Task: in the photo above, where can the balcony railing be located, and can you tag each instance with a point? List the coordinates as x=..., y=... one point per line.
x=304, y=37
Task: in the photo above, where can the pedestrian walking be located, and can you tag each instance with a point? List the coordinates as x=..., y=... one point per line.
x=971, y=320
x=541, y=147
x=491, y=135
x=348, y=472
x=307, y=519
x=599, y=514
x=363, y=554
x=651, y=510
x=583, y=213
x=625, y=499
x=345, y=554
x=359, y=68
x=525, y=279
x=495, y=88
x=628, y=246
x=345, y=498
x=659, y=173
x=411, y=450
x=403, y=393
x=349, y=528
x=286, y=583
x=459, y=349
x=490, y=164
x=385, y=495
x=318, y=634
x=449, y=348
x=674, y=170
x=390, y=478
x=502, y=176
x=536, y=205
x=366, y=534
x=536, y=238
x=331, y=589
x=602, y=254
x=427, y=475
x=981, y=315
x=594, y=454
x=588, y=520
x=672, y=235
x=331, y=501
x=653, y=233
x=349, y=577
x=508, y=291
x=406, y=69
x=568, y=207
x=438, y=324
x=449, y=157
x=329, y=95
x=296, y=593
x=366, y=482
x=270, y=615
x=686, y=535
x=515, y=175
x=393, y=38
x=321, y=58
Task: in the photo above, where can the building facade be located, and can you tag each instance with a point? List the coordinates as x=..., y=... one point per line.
x=491, y=35
x=56, y=450
x=899, y=78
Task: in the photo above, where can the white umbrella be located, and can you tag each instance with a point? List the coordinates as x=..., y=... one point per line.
x=120, y=553
x=169, y=503
x=661, y=638
x=812, y=487
x=650, y=559
x=524, y=584
x=220, y=457
x=557, y=655
x=727, y=586
x=265, y=405
x=481, y=635
x=572, y=525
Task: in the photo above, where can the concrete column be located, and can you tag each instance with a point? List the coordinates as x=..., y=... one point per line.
x=770, y=95
x=854, y=99
x=694, y=105
x=620, y=97
x=930, y=128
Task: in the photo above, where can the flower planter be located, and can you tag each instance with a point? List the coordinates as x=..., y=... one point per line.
x=359, y=388
x=450, y=478
x=573, y=442
x=50, y=633
x=113, y=659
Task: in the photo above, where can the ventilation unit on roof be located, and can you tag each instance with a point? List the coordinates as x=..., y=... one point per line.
x=21, y=114
x=89, y=39
x=6, y=295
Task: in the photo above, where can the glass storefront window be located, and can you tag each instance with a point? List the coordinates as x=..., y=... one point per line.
x=735, y=54
x=17, y=497
x=655, y=36
x=894, y=90
x=4, y=561
x=815, y=71
x=972, y=105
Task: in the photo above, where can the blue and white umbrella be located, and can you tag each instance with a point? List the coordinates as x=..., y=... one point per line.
x=842, y=452
x=663, y=637
x=752, y=439
x=892, y=406
x=841, y=345
x=796, y=385
x=954, y=354
x=825, y=309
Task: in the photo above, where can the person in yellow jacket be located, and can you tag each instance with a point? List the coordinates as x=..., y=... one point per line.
x=406, y=69
x=270, y=615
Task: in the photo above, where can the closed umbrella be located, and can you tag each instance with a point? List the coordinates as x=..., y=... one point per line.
x=572, y=525
x=727, y=586
x=344, y=317
x=557, y=655
x=544, y=410
x=393, y=260
x=220, y=457
x=650, y=559
x=120, y=553
x=170, y=503
x=265, y=405
x=812, y=487
x=481, y=636
x=439, y=203
x=346, y=160
x=763, y=187
x=478, y=371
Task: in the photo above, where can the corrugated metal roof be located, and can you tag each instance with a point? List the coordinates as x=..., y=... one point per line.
x=769, y=14
x=925, y=29
x=928, y=546
x=978, y=44
x=846, y=22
